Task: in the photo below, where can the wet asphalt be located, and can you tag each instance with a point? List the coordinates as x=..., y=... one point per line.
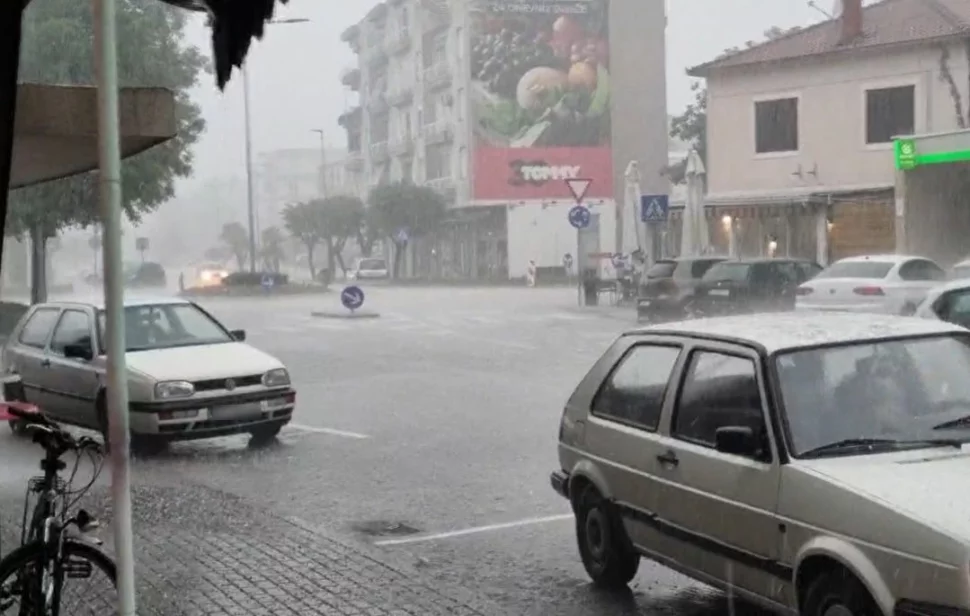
x=429, y=433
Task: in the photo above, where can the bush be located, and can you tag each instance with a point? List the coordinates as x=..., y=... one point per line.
x=253, y=279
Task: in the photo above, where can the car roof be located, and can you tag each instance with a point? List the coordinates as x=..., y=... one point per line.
x=886, y=258
x=768, y=260
x=774, y=332
x=130, y=302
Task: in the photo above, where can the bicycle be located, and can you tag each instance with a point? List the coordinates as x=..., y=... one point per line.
x=50, y=551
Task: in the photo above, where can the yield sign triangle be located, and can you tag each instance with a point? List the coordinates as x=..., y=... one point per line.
x=578, y=187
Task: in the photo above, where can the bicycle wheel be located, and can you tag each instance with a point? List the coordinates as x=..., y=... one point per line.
x=23, y=593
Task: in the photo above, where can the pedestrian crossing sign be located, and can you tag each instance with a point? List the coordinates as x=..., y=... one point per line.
x=654, y=208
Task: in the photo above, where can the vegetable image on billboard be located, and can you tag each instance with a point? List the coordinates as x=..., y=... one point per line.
x=541, y=98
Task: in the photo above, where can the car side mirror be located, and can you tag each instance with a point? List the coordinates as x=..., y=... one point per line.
x=737, y=440
x=79, y=351
x=239, y=335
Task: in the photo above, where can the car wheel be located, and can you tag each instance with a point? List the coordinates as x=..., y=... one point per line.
x=838, y=593
x=264, y=435
x=606, y=551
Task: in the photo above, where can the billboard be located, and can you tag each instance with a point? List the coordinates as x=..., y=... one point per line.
x=540, y=98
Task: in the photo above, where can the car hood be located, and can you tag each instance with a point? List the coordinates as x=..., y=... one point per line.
x=930, y=486
x=211, y=361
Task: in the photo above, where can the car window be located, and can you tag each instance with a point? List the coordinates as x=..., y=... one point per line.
x=38, y=327
x=955, y=307
x=634, y=392
x=857, y=269
x=167, y=325
x=720, y=390
x=807, y=271
x=763, y=274
x=74, y=327
x=728, y=272
x=960, y=271
x=372, y=264
x=921, y=269
x=661, y=269
x=784, y=273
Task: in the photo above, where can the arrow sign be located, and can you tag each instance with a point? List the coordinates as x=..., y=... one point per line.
x=578, y=187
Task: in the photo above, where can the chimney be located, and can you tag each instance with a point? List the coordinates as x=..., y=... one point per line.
x=851, y=20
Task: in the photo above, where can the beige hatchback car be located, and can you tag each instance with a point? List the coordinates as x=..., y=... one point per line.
x=814, y=464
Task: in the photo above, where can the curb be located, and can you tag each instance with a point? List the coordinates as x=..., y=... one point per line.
x=348, y=315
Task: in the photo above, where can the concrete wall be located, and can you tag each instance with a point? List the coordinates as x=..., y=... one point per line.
x=937, y=215
x=831, y=94
x=543, y=234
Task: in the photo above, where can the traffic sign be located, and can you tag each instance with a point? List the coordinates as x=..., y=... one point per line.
x=618, y=261
x=579, y=216
x=578, y=187
x=352, y=297
x=267, y=281
x=401, y=236
x=654, y=208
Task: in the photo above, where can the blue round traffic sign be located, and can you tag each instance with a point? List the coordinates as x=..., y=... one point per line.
x=352, y=297
x=579, y=216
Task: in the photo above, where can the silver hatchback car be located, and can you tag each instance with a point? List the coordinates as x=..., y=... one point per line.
x=188, y=376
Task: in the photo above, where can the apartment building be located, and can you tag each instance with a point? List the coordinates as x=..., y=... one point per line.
x=495, y=105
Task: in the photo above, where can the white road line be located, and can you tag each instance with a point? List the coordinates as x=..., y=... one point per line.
x=332, y=431
x=475, y=530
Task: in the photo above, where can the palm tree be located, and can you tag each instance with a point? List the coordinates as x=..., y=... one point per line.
x=236, y=239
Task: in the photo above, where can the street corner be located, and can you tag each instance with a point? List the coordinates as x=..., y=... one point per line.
x=345, y=314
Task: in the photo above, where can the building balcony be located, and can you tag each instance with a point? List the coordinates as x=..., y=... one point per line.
x=437, y=15
x=351, y=36
x=375, y=56
x=354, y=162
x=351, y=78
x=377, y=103
x=446, y=187
x=437, y=76
x=402, y=145
x=379, y=152
x=351, y=119
x=399, y=43
x=439, y=132
x=400, y=96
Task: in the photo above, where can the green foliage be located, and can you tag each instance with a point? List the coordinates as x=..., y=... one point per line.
x=58, y=48
x=271, y=248
x=403, y=205
x=341, y=218
x=303, y=223
x=236, y=239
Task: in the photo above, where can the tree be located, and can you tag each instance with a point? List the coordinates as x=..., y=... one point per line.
x=151, y=52
x=341, y=218
x=691, y=125
x=236, y=239
x=271, y=249
x=141, y=245
x=303, y=223
x=402, y=206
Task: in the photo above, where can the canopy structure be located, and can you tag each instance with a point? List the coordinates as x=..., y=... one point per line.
x=56, y=128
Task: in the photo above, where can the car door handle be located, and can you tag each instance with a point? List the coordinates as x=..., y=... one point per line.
x=45, y=363
x=668, y=458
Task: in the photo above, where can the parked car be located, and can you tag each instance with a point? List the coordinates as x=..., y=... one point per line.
x=949, y=302
x=210, y=275
x=189, y=377
x=148, y=275
x=959, y=271
x=667, y=288
x=751, y=285
x=891, y=284
x=369, y=268
x=804, y=462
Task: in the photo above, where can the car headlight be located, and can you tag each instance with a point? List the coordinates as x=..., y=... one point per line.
x=277, y=377
x=174, y=389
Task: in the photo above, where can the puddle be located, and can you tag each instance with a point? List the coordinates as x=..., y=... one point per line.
x=384, y=528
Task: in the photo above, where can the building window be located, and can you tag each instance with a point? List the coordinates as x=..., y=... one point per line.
x=776, y=126
x=890, y=112
x=438, y=163
x=430, y=110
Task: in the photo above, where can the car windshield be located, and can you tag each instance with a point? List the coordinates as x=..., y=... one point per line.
x=903, y=391
x=160, y=326
x=959, y=272
x=857, y=269
x=728, y=272
x=372, y=264
x=661, y=269
x=690, y=270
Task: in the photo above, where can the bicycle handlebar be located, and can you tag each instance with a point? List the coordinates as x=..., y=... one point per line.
x=48, y=434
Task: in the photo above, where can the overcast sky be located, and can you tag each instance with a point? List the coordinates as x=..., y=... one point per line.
x=295, y=71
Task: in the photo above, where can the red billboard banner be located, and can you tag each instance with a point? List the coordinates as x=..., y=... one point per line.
x=541, y=98
x=523, y=174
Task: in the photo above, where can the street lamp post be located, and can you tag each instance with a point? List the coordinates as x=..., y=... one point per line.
x=250, y=206
x=323, y=162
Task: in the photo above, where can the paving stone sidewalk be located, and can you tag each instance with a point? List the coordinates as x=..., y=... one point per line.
x=204, y=552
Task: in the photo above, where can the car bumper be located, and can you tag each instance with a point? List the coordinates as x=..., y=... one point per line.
x=199, y=418
x=560, y=483
x=649, y=308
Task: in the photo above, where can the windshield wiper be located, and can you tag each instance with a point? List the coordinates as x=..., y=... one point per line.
x=960, y=422
x=853, y=443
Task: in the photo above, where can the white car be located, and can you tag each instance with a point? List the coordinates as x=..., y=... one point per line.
x=960, y=271
x=888, y=284
x=370, y=268
x=949, y=302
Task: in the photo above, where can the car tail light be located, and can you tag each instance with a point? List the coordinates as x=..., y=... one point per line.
x=804, y=291
x=868, y=291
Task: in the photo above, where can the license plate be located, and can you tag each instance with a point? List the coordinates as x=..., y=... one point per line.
x=645, y=303
x=237, y=411
x=719, y=292
x=272, y=405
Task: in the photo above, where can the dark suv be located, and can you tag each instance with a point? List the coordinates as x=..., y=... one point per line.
x=148, y=274
x=667, y=288
x=752, y=285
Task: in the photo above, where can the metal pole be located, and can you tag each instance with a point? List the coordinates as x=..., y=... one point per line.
x=251, y=211
x=117, y=386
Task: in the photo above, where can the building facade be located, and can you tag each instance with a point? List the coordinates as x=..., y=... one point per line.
x=496, y=105
x=800, y=128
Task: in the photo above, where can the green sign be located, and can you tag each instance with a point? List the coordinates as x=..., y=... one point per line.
x=905, y=153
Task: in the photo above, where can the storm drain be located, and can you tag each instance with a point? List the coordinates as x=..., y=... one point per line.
x=385, y=528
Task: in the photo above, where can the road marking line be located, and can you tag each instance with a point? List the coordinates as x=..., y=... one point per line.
x=332, y=431
x=475, y=530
